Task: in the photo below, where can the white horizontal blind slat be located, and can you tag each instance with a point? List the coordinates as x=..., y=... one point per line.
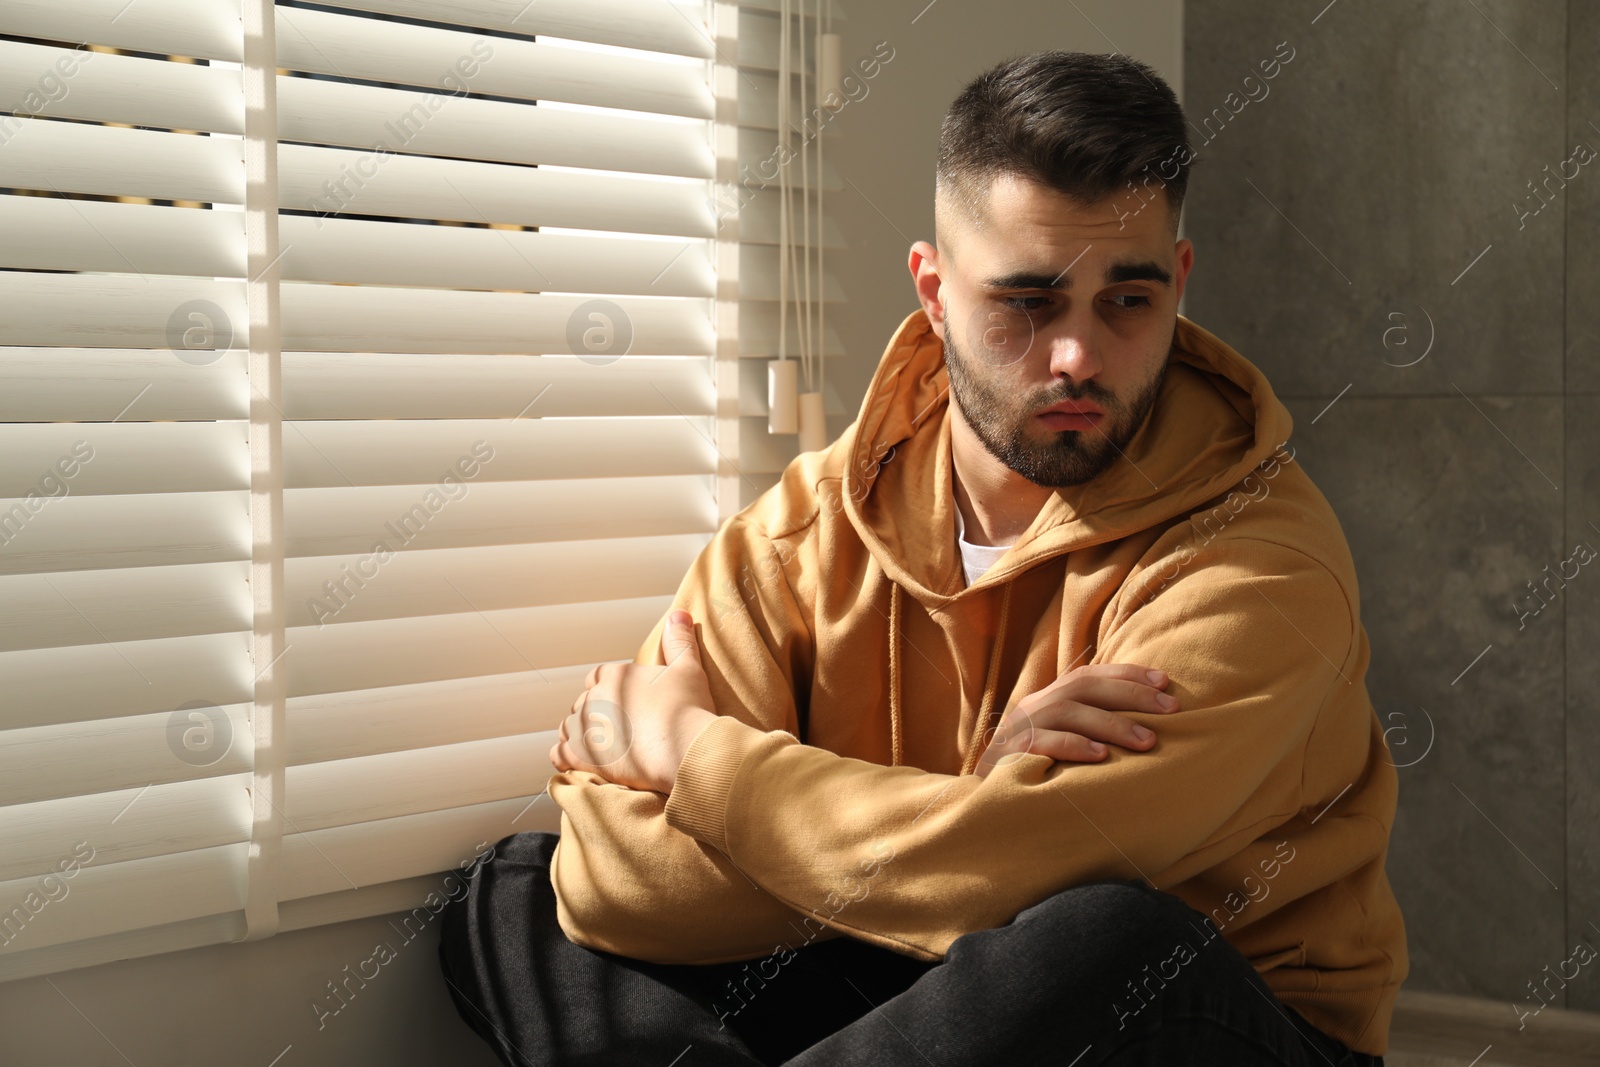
x=329, y=454
x=102, y=681
x=758, y=220
x=368, y=655
x=759, y=159
x=55, y=234
x=366, y=318
x=71, y=533
x=125, y=457
x=137, y=822
x=671, y=27
x=68, y=157
x=204, y=29
x=70, y=608
x=437, y=778
x=109, y=161
x=119, y=897
x=88, y=951
x=337, y=726
x=839, y=12
x=329, y=522
x=47, y=233
x=353, y=857
x=430, y=57
x=111, y=762
x=114, y=88
x=447, y=580
x=369, y=385
x=43, y=384
x=121, y=311
x=386, y=253
x=133, y=312
x=333, y=180
x=758, y=276
x=402, y=120
x=423, y=897
x=758, y=331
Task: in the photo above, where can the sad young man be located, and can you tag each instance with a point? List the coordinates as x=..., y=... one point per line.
x=1026, y=723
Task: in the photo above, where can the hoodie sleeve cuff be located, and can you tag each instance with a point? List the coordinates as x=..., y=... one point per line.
x=698, y=803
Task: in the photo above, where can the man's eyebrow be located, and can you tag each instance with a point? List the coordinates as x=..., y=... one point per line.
x=1143, y=270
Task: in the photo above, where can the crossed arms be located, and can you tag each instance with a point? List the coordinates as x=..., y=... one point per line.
x=763, y=841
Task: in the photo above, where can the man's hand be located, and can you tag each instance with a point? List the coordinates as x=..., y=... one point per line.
x=1067, y=719
x=633, y=724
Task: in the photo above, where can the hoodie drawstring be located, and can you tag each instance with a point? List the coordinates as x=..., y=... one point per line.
x=991, y=688
x=991, y=685
x=894, y=673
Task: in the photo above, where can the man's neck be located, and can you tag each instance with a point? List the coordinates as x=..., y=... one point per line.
x=997, y=504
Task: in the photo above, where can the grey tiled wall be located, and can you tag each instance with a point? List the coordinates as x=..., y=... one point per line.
x=1360, y=211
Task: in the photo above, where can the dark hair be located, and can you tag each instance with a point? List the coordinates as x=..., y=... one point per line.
x=1083, y=124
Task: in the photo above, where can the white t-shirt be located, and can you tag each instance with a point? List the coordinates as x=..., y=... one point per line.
x=975, y=559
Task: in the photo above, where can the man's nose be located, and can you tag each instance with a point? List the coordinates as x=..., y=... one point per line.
x=1075, y=355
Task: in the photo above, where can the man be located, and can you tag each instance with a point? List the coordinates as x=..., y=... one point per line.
x=1029, y=727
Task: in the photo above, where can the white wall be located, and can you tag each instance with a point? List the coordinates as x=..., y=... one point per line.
x=248, y=1003
x=245, y=1004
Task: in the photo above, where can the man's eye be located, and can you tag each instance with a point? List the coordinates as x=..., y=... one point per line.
x=1142, y=302
x=1026, y=303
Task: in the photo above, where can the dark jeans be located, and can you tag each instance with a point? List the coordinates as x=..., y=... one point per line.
x=1085, y=977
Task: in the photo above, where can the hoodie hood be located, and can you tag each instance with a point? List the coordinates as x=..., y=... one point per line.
x=1215, y=418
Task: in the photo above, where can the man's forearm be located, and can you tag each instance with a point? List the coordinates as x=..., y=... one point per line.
x=628, y=883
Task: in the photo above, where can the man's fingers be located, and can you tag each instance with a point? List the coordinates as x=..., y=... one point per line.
x=1120, y=694
x=1067, y=747
x=565, y=755
x=1130, y=672
x=1103, y=684
x=1094, y=724
x=1114, y=694
x=1077, y=715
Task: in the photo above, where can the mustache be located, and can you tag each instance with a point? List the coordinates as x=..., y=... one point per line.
x=1089, y=391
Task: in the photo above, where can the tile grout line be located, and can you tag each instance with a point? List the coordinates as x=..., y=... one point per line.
x=1566, y=495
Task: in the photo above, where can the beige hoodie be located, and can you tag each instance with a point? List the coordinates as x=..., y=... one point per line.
x=857, y=674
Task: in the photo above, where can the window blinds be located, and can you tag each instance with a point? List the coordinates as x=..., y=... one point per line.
x=369, y=370
x=127, y=760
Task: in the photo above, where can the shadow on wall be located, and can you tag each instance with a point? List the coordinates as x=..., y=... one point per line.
x=1424, y=308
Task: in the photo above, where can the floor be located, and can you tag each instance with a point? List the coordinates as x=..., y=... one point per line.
x=1423, y=1059
x=1436, y=1030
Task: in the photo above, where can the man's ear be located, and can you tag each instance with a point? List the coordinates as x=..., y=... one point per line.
x=924, y=265
x=1183, y=254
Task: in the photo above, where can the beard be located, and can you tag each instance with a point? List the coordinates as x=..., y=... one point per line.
x=1009, y=429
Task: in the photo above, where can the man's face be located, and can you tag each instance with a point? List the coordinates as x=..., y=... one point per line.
x=1051, y=301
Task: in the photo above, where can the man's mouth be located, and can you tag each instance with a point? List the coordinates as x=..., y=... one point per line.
x=1072, y=415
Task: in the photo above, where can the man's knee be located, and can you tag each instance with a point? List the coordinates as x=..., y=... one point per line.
x=507, y=885
x=1117, y=901
x=533, y=848
x=1108, y=919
